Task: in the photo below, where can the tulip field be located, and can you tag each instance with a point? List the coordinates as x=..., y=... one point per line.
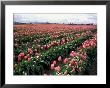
x=54, y=49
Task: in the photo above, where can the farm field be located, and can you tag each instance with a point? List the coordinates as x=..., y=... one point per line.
x=54, y=49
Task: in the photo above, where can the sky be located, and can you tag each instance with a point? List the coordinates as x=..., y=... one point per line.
x=57, y=18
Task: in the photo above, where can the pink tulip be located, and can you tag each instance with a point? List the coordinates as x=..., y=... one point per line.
x=54, y=62
x=72, y=54
x=29, y=59
x=72, y=61
x=63, y=40
x=19, y=55
x=59, y=58
x=28, y=56
x=65, y=61
x=57, y=68
x=25, y=57
x=48, y=46
x=19, y=59
x=30, y=51
x=45, y=46
x=80, y=62
x=73, y=70
x=84, y=58
x=52, y=43
x=76, y=63
x=52, y=66
x=22, y=54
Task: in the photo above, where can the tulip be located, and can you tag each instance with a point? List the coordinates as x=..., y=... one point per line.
x=22, y=54
x=65, y=61
x=45, y=46
x=73, y=70
x=76, y=63
x=48, y=46
x=19, y=55
x=28, y=55
x=54, y=62
x=30, y=51
x=57, y=68
x=63, y=40
x=72, y=54
x=52, y=43
x=72, y=61
x=84, y=58
x=59, y=58
x=25, y=57
x=80, y=62
x=52, y=66
x=29, y=59
x=19, y=59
